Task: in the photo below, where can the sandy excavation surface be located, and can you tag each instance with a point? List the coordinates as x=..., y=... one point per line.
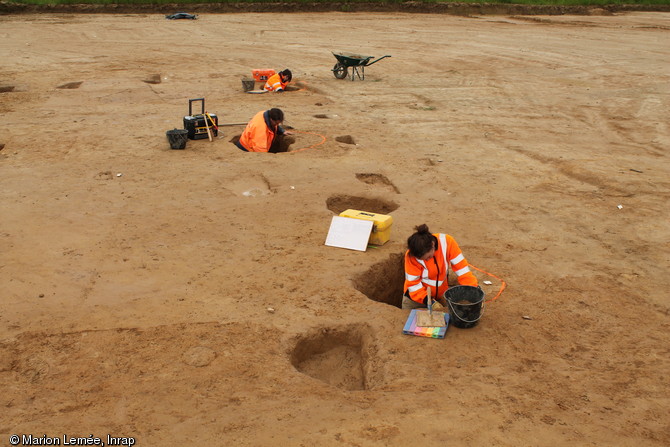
x=186, y=297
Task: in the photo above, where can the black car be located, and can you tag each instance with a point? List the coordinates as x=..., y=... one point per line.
x=181, y=15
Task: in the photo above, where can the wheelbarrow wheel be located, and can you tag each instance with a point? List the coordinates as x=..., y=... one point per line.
x=340, y=71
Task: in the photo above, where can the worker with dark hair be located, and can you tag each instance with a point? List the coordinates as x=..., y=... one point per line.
x=264, y=133
x=427, y=262
x=278, y=82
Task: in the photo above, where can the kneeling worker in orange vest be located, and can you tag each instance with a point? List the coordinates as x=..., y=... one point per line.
x=264, y=133
x=278, y=82
x=426, y=265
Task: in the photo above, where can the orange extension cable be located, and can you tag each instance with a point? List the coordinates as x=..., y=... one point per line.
x=303, y=87
x=323, y=140
x=502, y=285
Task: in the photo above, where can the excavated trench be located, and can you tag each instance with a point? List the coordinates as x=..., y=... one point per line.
x=341, y=357
x=383, y=282
x=340, y=203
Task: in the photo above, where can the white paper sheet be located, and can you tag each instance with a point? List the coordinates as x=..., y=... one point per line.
x=346, y=232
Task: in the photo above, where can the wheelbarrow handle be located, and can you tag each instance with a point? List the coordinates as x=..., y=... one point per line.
x=377, y=60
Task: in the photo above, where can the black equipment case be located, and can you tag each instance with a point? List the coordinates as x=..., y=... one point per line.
x=195, y=124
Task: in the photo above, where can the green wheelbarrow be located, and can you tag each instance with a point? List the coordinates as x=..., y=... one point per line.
x=356, y=62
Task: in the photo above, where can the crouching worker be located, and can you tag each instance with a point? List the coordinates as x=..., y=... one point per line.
x=264, y=133
x=427, y=263
x=278, y=82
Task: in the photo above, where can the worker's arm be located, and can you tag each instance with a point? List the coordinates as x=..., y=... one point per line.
x=459, y=264
x=413, y=285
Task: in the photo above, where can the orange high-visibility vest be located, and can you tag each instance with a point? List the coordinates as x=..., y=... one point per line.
x=422, y=274
x=257, y=136
x=275, y=83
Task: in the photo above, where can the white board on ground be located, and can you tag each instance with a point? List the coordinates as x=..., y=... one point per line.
x=346, y=232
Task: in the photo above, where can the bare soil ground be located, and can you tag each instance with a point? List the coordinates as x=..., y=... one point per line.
x=186, y=297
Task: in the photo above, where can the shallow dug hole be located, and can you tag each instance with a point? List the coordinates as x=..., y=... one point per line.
x=340, y=357
x=71, y=85
x=340, y=203
x=250, y=186
x=346, y=139
x=376, y=179
x=153, y=79
x=384, y=281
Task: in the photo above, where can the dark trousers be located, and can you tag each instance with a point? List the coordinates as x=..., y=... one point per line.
x=277, y=145
x=238, y=144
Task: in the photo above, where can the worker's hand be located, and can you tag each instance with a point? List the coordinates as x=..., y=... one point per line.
x=442, y=301
x=288, y=132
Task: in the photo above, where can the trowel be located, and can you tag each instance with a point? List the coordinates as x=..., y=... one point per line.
x=428, y=318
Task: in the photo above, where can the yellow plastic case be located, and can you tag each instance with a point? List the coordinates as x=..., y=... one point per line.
x=381, y=228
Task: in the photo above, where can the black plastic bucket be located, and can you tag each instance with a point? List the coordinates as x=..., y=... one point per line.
x=248, y=84
x=177, y=138
x=466, y=305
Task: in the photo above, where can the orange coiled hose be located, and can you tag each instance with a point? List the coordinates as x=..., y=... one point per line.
x=503, y=284
x=323, y=140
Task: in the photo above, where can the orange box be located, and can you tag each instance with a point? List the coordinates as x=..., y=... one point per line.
x=262, y=74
